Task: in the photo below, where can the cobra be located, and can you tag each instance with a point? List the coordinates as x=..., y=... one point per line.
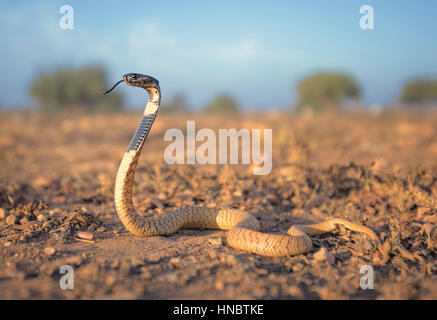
x=243, y=228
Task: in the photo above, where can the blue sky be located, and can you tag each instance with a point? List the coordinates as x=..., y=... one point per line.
x=254, y=50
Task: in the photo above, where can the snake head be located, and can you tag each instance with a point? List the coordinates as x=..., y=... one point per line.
x=140, y=80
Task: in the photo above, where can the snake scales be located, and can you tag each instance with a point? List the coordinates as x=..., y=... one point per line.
x=243, y=228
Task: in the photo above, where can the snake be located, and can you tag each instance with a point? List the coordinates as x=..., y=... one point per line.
x=244, y=230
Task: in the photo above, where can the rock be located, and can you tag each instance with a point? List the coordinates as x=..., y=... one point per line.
x=10, y=220
x=297, y=267
x=217, y=242
x=323, y=254
x=49, y=251
x=110, y=280
x=41, y=182
x=84, y=235
x=41, y=218
x=74, y=260
x=219, y=285
x=3, y=213
x=24, y=220
x=387, y=246
x=29, y=224
x=212, y=254
x=262, y=271
x=154, y=258
x=295, y=292
x=421, y=211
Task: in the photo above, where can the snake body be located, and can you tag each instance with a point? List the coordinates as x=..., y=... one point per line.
x=243, y=228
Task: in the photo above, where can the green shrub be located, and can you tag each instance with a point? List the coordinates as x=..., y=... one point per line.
x=222, y=104
x=419, y=90
x=325, y=90
x=74, y=88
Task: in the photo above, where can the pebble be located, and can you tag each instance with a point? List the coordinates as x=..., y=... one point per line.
x=295, y=291
x=297, y=267
x=154, y=258
x=262, y=271
x=49, y=251
x=215, y=241
x=110, y=280
x=74, y=260
x=219, y=285
x=41, y=218
x=323, y=254
x=10, y=220
x=85, y=235
x=3, y=213
x=212, y=254
x=387, y=246
x=421, y=211
x=41, y=182
x=30, y=224
x=24, y=220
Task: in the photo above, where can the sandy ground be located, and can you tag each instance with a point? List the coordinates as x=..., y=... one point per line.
x=57, y=176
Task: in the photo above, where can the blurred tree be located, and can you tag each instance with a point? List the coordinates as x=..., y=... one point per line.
x=419, y=90
x=222, y=104
x=177, y=104
x=325, y=90
x=70, y=88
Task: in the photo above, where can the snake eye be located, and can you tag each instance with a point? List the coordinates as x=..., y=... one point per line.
x=134, y=77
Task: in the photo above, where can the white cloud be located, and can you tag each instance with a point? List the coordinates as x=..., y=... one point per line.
x=245, y=50
x=146, y=36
